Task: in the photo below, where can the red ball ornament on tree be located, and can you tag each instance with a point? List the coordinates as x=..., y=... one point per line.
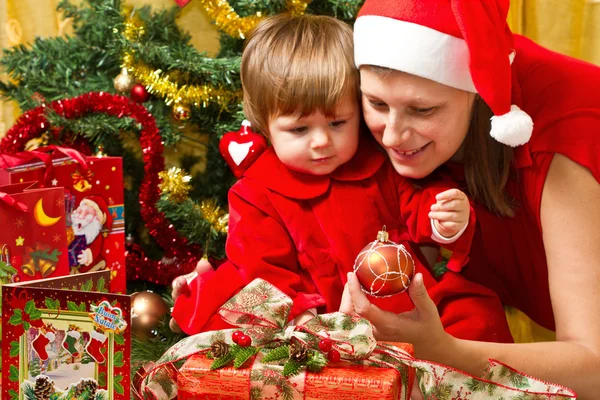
x=384, y=268
x=139, y=93
x=240, y=149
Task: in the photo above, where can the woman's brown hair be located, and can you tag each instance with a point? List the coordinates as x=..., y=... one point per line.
x=487, y=163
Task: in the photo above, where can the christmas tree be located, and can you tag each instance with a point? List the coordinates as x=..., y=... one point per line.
x=172, y=218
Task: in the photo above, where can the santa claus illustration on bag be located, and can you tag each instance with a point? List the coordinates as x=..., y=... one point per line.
x=90, y=221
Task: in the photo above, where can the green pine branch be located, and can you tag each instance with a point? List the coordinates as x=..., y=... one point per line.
x=243, y=355
x=277, y=354
x=291, y=367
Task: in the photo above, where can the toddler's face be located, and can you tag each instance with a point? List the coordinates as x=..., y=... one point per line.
x=316, y=144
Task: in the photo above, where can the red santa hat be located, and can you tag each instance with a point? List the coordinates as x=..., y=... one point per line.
x=98, y=204
x=465, y=44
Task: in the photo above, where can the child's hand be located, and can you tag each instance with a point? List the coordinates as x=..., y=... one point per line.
x=450, y=214
x=181, y=286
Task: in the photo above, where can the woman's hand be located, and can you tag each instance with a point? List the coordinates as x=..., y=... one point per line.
x=450, y=213
x=421, y=326
x=180, y=286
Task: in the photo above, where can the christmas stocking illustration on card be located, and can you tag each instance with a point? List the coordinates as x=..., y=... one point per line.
x=44, y=338
x=71, y=339
x=96, y=342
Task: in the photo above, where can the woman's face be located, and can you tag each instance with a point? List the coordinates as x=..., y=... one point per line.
x=420, y=123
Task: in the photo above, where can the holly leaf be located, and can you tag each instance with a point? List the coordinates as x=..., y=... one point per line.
x=26, y=325
x=14, y=348
x=16, y=318
x=72, y=306
x=102, y=379
x=14, y=374
x=54, y=255
x=29, y=307
x=118, y=387
x=119, y=339
x=35, y=314
x=100, y=285
x=82, y=307
x=118, y=360
x=13, y=395
x=52, y=304
x=87, y=286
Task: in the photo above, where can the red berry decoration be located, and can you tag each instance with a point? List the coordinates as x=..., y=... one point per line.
x=245, y=341
x=333, y=355
x=235, y=336
x=325, y=345
x=139, y=93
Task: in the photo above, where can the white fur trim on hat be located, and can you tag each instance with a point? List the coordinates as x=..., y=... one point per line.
x=412, y=48
x=513, y=128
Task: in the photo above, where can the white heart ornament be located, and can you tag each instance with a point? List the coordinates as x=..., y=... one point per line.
x=239, y=151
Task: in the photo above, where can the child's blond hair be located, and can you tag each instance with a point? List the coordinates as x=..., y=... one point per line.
x=297, y=65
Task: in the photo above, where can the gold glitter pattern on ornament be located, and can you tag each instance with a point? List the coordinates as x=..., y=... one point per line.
x=372, y=257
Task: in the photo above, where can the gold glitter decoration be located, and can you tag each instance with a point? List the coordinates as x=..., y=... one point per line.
x=167, y=86
x=227, y=20
x=175, y=184
x=160, y=84
x=215, y=216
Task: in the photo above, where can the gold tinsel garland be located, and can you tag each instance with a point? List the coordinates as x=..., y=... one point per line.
x=162, y=84
x=175, y=184
x=216, y=217
x=227, y=20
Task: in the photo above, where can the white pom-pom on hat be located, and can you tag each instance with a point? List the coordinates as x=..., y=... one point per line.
x=513, y=128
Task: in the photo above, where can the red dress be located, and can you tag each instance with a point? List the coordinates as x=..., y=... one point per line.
x=302, y=233
x=562, y=95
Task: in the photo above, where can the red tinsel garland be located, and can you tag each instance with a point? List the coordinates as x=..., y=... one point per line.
x=181, y=257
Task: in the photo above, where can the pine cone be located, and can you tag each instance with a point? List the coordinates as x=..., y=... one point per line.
x=219, y=349
x=44, y=387
x=298, y=352
x=88, y=385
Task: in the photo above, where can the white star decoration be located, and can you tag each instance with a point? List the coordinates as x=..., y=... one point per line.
x=54, y=182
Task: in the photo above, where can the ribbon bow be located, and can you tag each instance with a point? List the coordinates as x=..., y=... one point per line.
x=261, y=311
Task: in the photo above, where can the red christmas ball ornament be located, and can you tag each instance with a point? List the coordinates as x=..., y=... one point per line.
x=240, y=149
x=244, y=341
x=139, y=93
x=333, y=355
x=384, y=268
x=325, y=345
x=235, y=336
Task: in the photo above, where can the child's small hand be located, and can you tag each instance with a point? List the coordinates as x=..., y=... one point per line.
x=451, y=212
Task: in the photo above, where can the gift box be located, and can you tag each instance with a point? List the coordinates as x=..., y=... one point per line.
x=265, y=358
x=343, y=381
x=93, y=204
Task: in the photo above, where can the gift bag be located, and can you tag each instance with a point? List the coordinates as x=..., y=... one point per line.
x=33, y=236
x=93, y=204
